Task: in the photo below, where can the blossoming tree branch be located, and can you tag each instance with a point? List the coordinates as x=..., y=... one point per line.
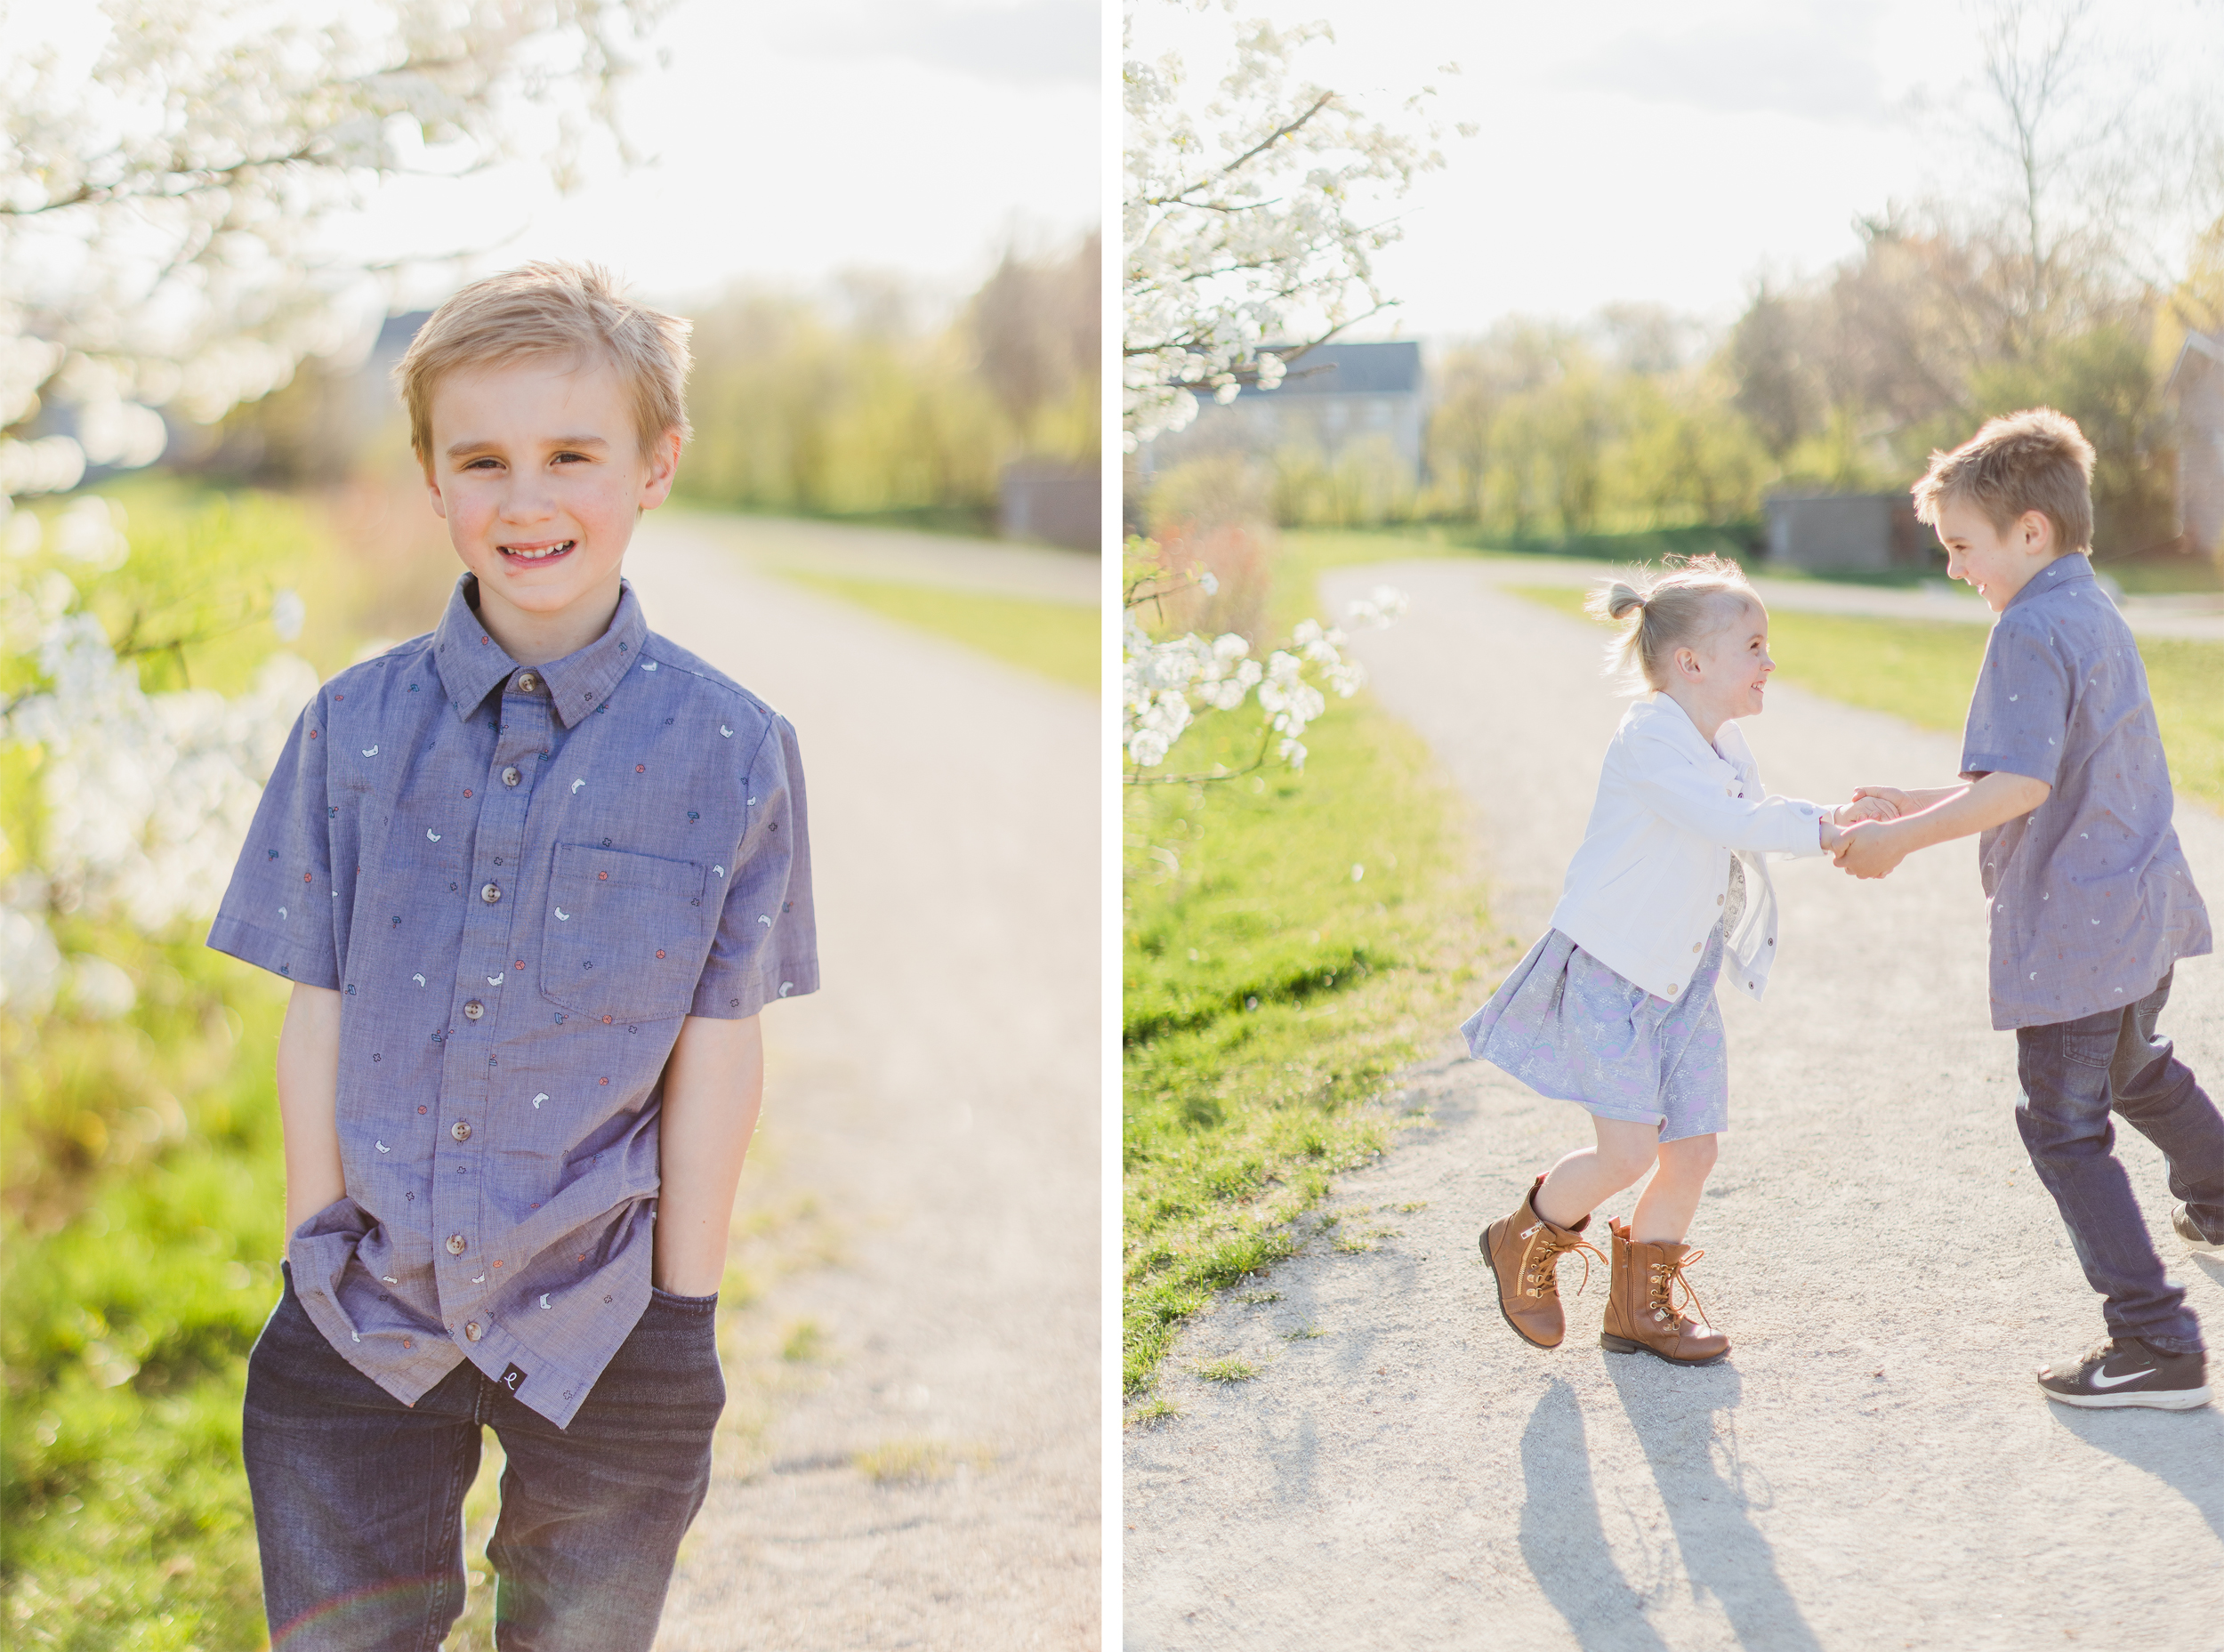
x=1250, y=221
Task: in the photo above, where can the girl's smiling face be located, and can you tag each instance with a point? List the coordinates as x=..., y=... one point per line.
x=537, y=468
x=1724, y=674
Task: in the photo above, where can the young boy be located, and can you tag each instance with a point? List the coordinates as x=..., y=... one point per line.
x=532, y=876
x=2090, y=899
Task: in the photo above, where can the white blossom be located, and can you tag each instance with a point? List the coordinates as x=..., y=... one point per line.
x=146, y=798
x=1249, y=220
x=1165, y=682
x=168, y=164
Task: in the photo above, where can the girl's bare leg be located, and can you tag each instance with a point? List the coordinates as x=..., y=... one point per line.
x=1578, y=1182
x=1664, y=1209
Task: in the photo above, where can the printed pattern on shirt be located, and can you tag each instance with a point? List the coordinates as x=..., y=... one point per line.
x=521, y=880
x=2089, y=897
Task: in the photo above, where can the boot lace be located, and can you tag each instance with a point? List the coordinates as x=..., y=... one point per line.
x=1540, y=1278
x=1667, y=1279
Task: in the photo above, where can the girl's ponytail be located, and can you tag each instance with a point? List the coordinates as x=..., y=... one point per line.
x=1662, y=610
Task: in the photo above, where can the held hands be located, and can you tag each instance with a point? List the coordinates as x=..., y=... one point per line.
x=1858, y=845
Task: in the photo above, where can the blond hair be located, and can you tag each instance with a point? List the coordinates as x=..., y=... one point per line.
x=1672, y=607
x=2035, y=460
x=550, y=310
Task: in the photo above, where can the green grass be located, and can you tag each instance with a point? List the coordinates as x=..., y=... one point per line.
x=141, y=1216
x=1923, y=669
x=1228, y=1370
x=1268, y=993
x=1060, y=641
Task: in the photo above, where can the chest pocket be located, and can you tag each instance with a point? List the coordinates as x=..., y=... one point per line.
x=624, y=935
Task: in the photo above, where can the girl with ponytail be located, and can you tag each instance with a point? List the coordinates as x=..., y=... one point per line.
x=1614, y=1008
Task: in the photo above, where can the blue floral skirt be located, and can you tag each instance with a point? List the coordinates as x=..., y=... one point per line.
x=1571, y=1028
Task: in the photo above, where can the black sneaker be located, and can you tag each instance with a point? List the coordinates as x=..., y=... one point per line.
x=2127, y=1371
x=2181, y=1223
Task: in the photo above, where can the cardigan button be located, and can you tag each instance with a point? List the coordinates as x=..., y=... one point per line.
x=1672, y=990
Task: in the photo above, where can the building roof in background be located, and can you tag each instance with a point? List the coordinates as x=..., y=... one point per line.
x=1392, y=368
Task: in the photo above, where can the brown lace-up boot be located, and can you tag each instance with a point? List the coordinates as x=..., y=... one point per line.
x=1641, y=1308
x=1524, y=1251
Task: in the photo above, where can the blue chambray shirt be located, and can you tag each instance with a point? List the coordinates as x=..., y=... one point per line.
x=2090, y=897
x=521, y=880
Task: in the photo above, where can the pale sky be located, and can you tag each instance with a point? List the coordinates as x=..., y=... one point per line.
x=795, y=141
x=1633, y=151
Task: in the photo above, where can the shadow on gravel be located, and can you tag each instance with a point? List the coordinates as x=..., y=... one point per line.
x=1562, y=1541
x=1722, y=1553
x=2183, y=1449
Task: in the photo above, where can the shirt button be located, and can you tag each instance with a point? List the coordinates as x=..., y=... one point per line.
x=472, y=1330
x=474, y=1010
x=460, y=1131
x=455, y=1245
x=491, y=892
x=527, y=683
x=510, y=775
x=1672, y=990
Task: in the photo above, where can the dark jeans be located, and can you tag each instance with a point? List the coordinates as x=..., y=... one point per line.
x=358, y=1498
x=2074, y=1075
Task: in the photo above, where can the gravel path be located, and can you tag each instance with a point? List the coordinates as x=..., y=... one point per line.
x=939, y=1101
x=1873, y=1467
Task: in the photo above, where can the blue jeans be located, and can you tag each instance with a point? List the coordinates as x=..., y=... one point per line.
x=358, y=1498
x=2075, y=1073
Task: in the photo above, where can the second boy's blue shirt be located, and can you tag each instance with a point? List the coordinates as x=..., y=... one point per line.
x=2090, y=898
x=521, y=880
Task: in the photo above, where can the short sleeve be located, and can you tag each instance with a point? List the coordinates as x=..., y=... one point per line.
x=766, y=946
x=277, y=913
x=2019, y=713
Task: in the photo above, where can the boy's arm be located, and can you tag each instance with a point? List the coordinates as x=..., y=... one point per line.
x=713, y=1085
x=309, y=1092
x=1904, y=803
x=1873, y=847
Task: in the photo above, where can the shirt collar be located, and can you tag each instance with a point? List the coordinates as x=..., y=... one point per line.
x=2063, y=570
x=472, y=663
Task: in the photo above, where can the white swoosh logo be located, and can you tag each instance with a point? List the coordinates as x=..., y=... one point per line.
x=382, y=1147
x=575, y=784
x=648, y=664
x=724, y=731
x=418, y=979
x=430, y=836
x=372, y=752
x=544, y=1298
x=281, y=912
x=2101, y=1379
x=763, y=920
x=495, y=980
x=786, y=987
x=538, y=1100
x=718, y=872
x=562, y=917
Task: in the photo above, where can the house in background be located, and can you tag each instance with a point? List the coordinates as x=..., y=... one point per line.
x=1846, y=533
x=2196, y=382
x=1333, y=397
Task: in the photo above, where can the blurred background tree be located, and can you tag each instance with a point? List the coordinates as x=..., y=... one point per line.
x=2085, y=242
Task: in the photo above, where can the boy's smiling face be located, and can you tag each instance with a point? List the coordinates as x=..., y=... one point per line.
x=537, y=467
x=1997, y=561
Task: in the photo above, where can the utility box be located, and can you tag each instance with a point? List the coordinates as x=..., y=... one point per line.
x=1052, y=501
x=1846, y=533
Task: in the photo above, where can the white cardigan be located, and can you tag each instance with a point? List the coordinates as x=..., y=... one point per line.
x=1647, y=887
